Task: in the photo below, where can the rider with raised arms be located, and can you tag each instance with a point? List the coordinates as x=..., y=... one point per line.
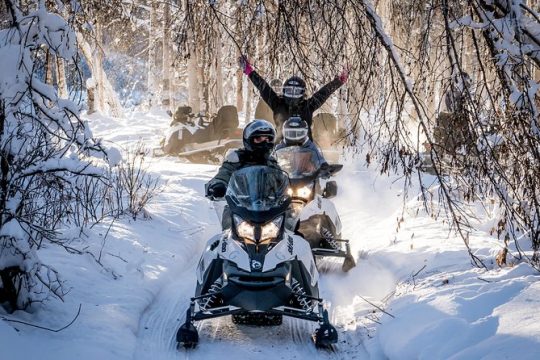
x=293, y=101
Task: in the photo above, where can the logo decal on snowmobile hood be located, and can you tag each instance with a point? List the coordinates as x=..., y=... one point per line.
x=256, y=265
x=214, y=245
x=224, y=245
x=290, y=244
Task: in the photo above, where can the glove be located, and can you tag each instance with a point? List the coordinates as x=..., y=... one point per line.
x=245, y=65
x=344, y=75
x=216, y=190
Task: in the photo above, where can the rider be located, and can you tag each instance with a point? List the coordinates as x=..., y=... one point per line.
x=258, y=138
x=293, y=101
x=295, y=133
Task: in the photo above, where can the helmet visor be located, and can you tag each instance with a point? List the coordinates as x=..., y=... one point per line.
x=294, y=92
x=263, y=138
x=295, y=134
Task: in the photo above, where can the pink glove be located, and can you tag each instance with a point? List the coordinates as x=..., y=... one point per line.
x=344, y=75
x=245, y=65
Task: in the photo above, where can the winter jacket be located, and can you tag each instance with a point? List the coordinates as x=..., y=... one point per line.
x=304, y=109
x=236, y=160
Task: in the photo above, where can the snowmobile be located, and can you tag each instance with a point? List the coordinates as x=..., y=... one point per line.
x=326, y=133
x=257, y=270
x=312, y=214
x=200, y=140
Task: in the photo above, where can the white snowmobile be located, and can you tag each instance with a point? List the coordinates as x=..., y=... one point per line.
x=257, y=271
x=312, y=214
x=202, y=140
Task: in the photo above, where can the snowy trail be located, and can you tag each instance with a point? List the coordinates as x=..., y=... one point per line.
x=158, y=325
x=163, y=316
x=421, y=276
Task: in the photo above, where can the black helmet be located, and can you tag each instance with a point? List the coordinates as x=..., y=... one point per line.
x=295, y=131
x=294, y=89
x=257, y=129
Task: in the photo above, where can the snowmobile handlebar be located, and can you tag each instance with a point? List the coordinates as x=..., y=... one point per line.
x=214, y=198
x=329, y=170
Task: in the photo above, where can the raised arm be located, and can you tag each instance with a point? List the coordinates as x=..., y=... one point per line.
x=320, y=97
x=267, y=93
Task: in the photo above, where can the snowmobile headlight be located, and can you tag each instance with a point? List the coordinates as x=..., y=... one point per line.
x=257, y=234
x=270, y=231
x=304, y=192
x=244, y=229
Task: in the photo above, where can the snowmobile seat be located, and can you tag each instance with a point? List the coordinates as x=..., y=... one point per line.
x=325, y=130
x=225, y=122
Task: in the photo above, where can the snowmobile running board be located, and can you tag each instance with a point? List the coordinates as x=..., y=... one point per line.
x=231, y=310
x=329, y=252
x=333, y=252
x=281, y=310
x=192, y=300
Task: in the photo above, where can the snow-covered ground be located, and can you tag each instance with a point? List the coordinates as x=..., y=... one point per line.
x=413, y=295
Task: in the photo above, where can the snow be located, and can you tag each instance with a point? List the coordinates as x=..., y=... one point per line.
x=437, y=305
x=9, y=63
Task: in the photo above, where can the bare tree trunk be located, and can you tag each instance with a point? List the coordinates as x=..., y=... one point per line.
x=211, y=84
x=167, y=45
x=91, y=94
x=98, y=73
x=250, y=89
x=239, y=74
x=219, y=71
x=193, y=79
x=55, y=73
x=61, y=78
x=49, y=73
x=104, y=100
x=203, y=84
x=239, y=90
x=151, y=63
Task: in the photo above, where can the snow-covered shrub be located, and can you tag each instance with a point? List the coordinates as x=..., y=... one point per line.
x=45, y=151
x=132, y=187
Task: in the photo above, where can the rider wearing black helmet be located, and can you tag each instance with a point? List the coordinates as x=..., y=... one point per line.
x=259, y=139
x=293, y=101
x=295, y=133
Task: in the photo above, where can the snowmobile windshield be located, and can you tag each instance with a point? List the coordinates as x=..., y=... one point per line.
x=298, y=162
x=258, y=193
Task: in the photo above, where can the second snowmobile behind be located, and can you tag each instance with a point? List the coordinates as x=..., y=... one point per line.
x=312, y=214
x=257, y=270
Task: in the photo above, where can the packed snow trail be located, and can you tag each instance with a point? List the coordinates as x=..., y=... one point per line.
x=160, y=321
x=420, y=275
x=133, y=302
